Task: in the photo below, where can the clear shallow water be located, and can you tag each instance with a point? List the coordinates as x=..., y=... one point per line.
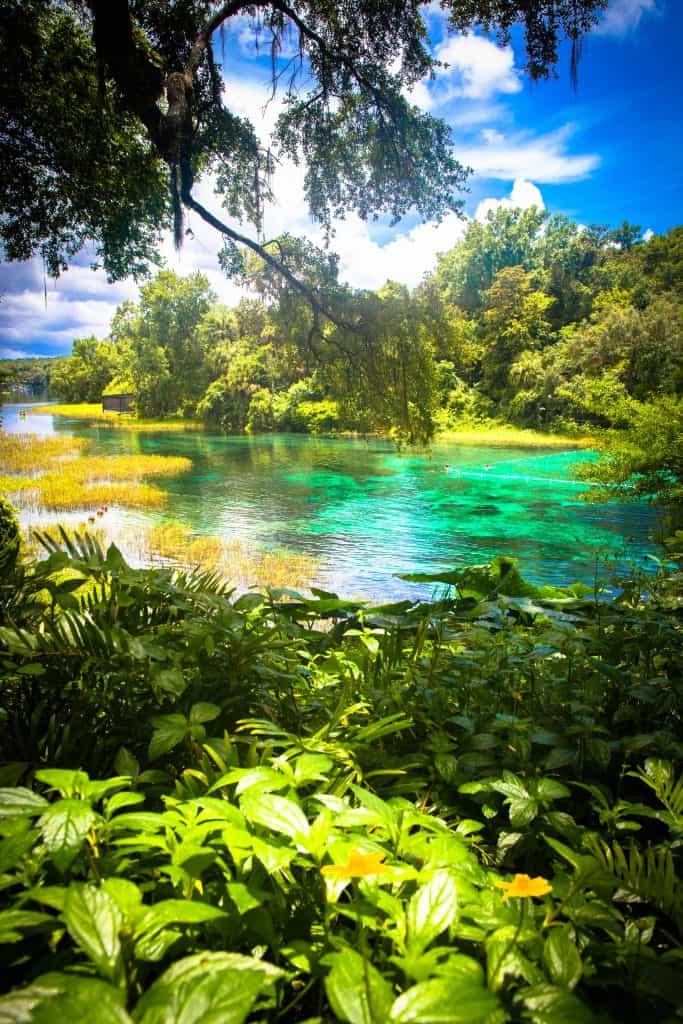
x=366, y=512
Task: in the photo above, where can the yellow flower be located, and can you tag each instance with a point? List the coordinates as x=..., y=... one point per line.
x=359, y=865
x=523, y=886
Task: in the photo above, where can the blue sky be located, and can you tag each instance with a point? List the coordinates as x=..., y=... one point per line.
x=610, y=151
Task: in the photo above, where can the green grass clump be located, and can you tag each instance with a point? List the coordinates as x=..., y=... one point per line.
x=92, y=412
x=81, y=481
x=287, y=809
x=517, y=437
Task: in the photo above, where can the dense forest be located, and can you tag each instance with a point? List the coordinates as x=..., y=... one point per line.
x=531, y=318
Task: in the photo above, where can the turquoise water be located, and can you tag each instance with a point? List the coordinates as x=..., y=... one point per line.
x=367, y=512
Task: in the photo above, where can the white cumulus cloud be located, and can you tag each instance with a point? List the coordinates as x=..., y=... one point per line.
x=524, y=195
x=477, y=70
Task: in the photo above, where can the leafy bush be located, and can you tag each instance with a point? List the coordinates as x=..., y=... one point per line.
x=280, y=808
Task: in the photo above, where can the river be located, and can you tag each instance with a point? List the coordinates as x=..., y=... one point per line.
x=367, y=512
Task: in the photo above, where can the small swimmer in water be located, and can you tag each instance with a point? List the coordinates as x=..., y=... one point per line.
x=487, y=467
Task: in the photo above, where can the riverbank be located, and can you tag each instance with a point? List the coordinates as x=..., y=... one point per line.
x=92, y=414
x=506, y=435
x=497, y=434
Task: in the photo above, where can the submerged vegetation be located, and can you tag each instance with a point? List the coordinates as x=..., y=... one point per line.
x=80, y=481
x=305, y=809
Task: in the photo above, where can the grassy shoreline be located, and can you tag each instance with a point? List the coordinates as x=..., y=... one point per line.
x=479, y=434
x=93, y=414
x=513, y=437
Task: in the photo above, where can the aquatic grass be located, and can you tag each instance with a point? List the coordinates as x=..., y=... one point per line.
x=514, y=437
x=26, y=453
x=241, y=562
x=92, y=412
x=81, y=481
x=61, y=491
x=129, y=467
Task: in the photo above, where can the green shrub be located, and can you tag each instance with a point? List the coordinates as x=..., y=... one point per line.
x=290, y=809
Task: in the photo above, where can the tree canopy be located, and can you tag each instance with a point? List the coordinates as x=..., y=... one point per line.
x=111, y=112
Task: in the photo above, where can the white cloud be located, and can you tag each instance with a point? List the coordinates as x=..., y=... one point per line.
x=624, y=16
x=522, y=155
x=524, y=195
x=647, y=235
x=477, y=70
x=477, y=67
x=492, y=136
x=14, y=353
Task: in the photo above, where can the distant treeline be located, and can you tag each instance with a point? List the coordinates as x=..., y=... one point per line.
x=32, y=374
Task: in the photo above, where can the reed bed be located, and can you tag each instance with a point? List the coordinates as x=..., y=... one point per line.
x=26, y=453
x=130, y=467
x=81, y=481
x=516, y=437
x=62, y=492
x=94, y=414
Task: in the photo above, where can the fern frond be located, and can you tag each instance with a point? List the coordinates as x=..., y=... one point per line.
x=659, y=775
x=648, y=875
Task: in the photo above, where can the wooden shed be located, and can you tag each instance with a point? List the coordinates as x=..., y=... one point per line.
x=117, y=403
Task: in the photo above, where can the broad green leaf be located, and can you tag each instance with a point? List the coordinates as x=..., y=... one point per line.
x=241, y=896
x=275, y=812
x=522, y=812
x=546, y=1004
x=431, y=910
x=94, y=920
x=357, y=992
x=86, y=1000
x=266, y=779
x=444, y=1001
x=169, y=731
x=13, y=848
x=125, y=895
x=99, y=788
x=551, y=789
x=207, y=988
x=21, y=801
x=169, y=912
x=17, y=1007
x=14, y=923
x=64, y=827
x=121, y=800
x=68, y=783
x=562, y=958
x=170, y=681
x=126, y=764
x=311, y=767
x=203, y=712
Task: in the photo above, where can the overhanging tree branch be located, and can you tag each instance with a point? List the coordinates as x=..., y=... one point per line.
x=318, y=307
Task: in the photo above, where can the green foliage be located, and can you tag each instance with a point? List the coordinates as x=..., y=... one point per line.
x=10, y=538
x=289, y=808
x=645, y=459
x=112, y=113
